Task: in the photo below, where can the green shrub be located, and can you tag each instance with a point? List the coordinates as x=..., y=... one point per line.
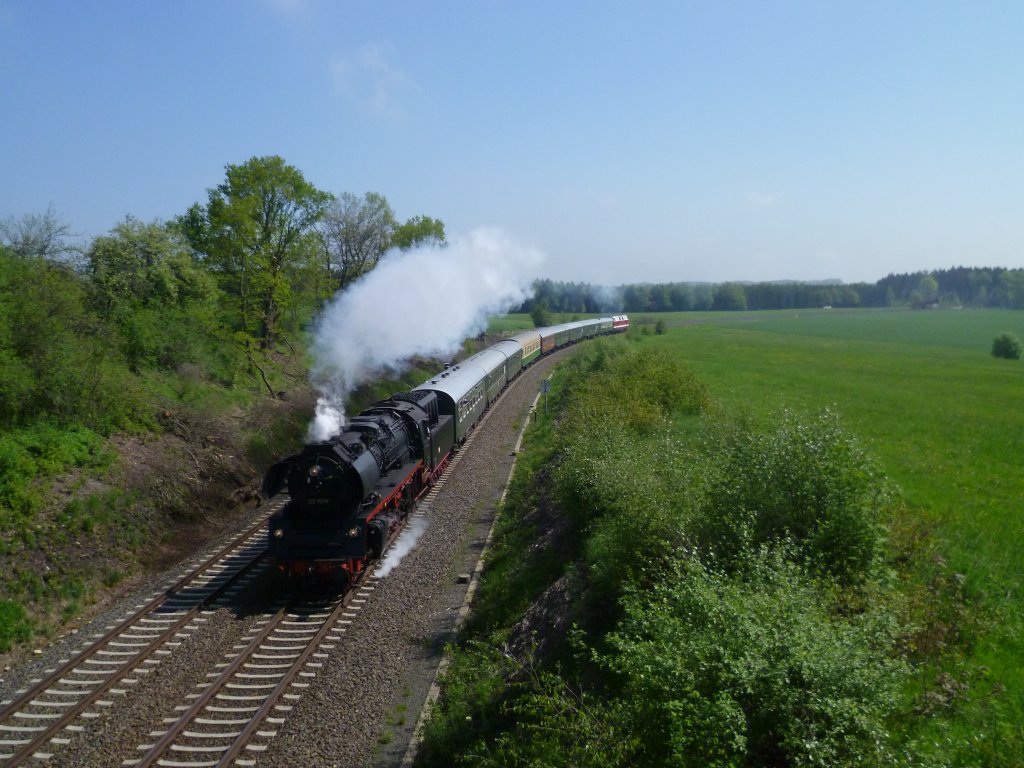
x=42, y=450
x=720, y=669
x=1006, y=345
x=541, y=315
x=620, y=476
x=469, y=711
x=625, y=494
x=642, y=388
x=14, y=625
x=500, y=711
x=804, y=481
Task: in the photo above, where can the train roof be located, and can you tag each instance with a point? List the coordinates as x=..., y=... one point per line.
x=509, y=347
x=488, y=359
x=553, y=329
x=458, y=380
x=525, y=337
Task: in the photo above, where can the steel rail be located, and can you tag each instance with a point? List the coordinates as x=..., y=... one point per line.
x=27, y=750
x=186, y=718
x=257, y=719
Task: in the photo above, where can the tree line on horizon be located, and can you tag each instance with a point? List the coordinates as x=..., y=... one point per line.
x=978, y=287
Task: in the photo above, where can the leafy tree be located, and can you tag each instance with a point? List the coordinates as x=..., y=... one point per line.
x=926, y=292
x=146, y=282
x=637, y=298
x=729, y=296
x=1006, y=345
x=355, y=233
x=681, y=296
x=141, y=264
x=55, y=360
x=419, y=230
x=255, y=234
x=540, y=315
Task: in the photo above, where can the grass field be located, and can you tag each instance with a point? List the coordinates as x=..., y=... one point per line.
x=943, y=417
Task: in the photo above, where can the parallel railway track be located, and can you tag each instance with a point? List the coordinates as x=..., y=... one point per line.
x=59, y=705
x=238, y=710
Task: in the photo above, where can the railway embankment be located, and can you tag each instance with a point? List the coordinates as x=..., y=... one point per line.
x=673, y=585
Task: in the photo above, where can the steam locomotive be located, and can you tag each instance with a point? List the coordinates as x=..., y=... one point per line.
x=349, y=495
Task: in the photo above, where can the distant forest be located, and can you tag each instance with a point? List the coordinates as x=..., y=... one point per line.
x=982, y=287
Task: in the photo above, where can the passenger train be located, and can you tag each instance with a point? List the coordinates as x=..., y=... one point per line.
x=349, y=495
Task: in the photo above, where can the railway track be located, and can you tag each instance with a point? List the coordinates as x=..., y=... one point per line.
x=55, y=708
x=237, y=711
x=239, y=708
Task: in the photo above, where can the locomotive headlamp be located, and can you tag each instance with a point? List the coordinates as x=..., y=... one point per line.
x=278, y=533
x=314, y=471
x=353, y=532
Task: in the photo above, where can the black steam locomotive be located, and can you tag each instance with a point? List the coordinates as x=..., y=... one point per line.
x=349, y=495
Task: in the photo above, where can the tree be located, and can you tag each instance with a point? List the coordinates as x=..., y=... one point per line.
x=682, y=299
x=141, y=264
x=1007, y=346
x=36, y=236
x=254, y=232
x=729, y=296
x=54, y=358
x=145, y=281
x=926, y=292
x=355, y=233
x=541, y=315
x=637, y=298
x=419, y=230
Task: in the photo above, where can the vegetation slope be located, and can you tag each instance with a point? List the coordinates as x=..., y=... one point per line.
x=683, y=579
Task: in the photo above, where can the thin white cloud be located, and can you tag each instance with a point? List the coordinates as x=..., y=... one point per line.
x=371, y=82
x=760, y=197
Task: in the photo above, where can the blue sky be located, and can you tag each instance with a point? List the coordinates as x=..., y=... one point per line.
x=628, y=141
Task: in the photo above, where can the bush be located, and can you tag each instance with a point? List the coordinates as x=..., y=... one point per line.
x=541, y=315
x=40, y=451
x=618, y=457
x=14, y=625
x=1006, y=345
x=804, y=481
x=726, y=670
x=713, y=628
x=500, y=711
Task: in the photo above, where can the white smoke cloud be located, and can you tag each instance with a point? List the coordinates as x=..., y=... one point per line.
x=424, y=301
x=403, y=545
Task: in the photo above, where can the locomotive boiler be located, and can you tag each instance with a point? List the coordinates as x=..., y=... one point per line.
x=347, y=496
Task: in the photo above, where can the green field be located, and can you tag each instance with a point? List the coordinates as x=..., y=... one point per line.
x=943, y=417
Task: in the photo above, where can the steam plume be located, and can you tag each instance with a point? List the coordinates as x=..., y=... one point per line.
x=403, y=545
x=419, y=302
